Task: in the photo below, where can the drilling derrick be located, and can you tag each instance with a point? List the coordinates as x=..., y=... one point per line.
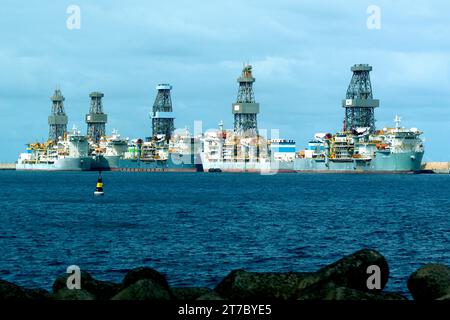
x=162, y=113
x=57, y=121
x=96, y=119
x=359, y=103
x=245, y=109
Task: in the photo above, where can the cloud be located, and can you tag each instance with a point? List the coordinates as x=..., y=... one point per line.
x=301, y=51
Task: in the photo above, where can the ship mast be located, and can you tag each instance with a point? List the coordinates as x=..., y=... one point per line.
x=57, y=121
x=96, y=119
x=359, y=103
x=162, y=112
x=245, y=109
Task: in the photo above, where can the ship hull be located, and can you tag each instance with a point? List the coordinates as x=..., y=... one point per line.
x=269, y=167
x=64, y=164
x=383, y=162
x=186, y=163
x=105, y=163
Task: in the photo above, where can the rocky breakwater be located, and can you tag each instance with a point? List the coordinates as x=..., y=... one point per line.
x=359, y=276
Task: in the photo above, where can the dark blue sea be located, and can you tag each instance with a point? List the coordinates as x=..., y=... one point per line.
x=197, y=227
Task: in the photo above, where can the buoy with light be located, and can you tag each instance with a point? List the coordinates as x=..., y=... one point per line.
x=99, y=187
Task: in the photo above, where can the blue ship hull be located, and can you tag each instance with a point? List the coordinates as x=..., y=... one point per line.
x=181, y=163
x=382, y=162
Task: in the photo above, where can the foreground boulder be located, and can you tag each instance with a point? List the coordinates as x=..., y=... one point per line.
x=444, y=298
x=38, y=294
x=145, y=289
x=240, y=284
x=430, y=282
x=102, y=290
x=10, y=291
x=348, y=272
x=190, y=293
x=134, y=275
x=144, y=284
x=331, y=291
x=75, y=294
x=351, y=271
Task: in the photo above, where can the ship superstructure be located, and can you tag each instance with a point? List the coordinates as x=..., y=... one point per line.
x=68, y=154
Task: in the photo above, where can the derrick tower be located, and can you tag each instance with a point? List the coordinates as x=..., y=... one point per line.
x=96, y=119
x=162, y=112
x=57, y=121
x=359, y=103
x=245, y=109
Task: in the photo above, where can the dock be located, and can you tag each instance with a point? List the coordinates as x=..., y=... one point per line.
x=436, y=167
x=7, y=166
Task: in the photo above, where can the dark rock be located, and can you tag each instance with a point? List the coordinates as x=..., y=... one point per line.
x=430, y=282
x=61, y=281
x=210, y=296
x=240, y=284
x=75, y=294
x=141, y=273
x=331, y=291
x=102, y=290
x=10, y=291
x=145, y=289
x=444, y=298
x=189, y=293
x=351, y=271
x=38, y=294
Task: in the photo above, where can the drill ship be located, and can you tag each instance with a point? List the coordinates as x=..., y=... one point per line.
x=67, y=154
x=95, y=151
x=243, y=149
x=63, y=151
x=165, y=150
x=360, y=147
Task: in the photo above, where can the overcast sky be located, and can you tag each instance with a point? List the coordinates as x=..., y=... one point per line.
x=301, y=52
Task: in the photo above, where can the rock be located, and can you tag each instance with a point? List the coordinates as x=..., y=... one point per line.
x=240, y=284
x=444, y=298
x=10, y=291
x=61, y=281
x=351, y=271
x=134, y=275
x=210, y=296
x=102, y=290
x=331, y=291
x=38, y=294
x=430, y=282
x=145, y=289
x=190, y=293
x=75, y=294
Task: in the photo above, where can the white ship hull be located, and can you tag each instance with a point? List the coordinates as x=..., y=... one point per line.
x=264, y=167
x=62, y=164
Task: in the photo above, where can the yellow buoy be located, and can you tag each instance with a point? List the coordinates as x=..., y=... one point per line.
x=99, y=187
